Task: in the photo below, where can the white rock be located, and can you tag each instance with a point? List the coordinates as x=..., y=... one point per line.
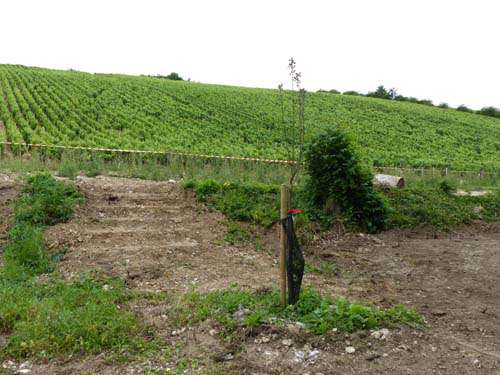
x=212, y=332
x=350, y=350
x=24, y=371
x=240, y=314
x=287, y=342
x=313, y=355
x=299, y=356
x=381, y=334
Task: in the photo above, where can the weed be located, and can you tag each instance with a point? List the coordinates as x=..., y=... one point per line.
x=438, y=208
x=45, y=201
x=236, y=233
x=254, y=203
x=68, y=169
x=26, y=251
x=318, y=313
x=58, y=318
x=324, y=268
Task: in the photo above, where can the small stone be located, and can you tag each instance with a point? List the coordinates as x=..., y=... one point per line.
x=287, y=342
x=228, y=357
x=265, y=339
x=212, y=332
x=381, y=334
x=313, y=355
x=240, y=314
x=299, y=356
x=350, y=350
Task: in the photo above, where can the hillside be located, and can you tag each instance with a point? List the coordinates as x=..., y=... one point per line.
x=115, y=111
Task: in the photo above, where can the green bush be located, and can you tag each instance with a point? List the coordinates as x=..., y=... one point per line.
x=464, y=108
x=46, y=201
x=489, y=111
x=337, y=178
x=26, y=250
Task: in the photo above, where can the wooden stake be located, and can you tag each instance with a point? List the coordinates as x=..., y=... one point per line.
x=285, y=193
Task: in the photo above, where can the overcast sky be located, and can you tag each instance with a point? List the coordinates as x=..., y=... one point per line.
x=444, y=50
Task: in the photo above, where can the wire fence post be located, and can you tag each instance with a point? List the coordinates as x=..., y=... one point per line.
x=285, y=199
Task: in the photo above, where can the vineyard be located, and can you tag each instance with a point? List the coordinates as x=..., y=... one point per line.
x=114, y=111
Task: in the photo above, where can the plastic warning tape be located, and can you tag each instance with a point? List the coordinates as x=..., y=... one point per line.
x=126, y=151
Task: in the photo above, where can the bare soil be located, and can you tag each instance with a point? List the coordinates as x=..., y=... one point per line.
x=158, y=238
x=9, y=188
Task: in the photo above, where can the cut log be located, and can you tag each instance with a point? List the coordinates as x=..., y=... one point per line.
x=388, y=181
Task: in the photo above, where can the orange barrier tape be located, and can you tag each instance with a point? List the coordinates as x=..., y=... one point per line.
x=271, y=161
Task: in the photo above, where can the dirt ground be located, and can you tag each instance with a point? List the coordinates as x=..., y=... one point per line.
x=10, y=186
x=158, y=238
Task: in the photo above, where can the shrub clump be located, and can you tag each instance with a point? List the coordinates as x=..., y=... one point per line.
x=319, y=314
x=43, y=201
x=338, y=179
x=254, y=203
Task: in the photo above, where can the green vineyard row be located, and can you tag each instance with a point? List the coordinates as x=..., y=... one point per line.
x=142, y=113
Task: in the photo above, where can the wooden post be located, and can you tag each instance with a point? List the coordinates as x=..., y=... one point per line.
x=285, y=193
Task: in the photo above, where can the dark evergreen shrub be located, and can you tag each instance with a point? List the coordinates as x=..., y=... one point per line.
x=337, y=176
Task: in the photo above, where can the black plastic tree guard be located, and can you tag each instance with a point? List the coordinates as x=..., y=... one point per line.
x=294, y=261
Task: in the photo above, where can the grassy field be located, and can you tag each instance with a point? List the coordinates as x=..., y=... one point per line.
x=115, y=111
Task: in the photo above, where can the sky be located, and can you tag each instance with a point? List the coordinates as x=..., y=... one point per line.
x=443, y=50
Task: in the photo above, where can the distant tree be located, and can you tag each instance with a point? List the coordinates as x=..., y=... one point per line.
x=489, y=111
x=443, y=105
x=464, y=108
x=380, y=93
x=333, y=91
x=174, y=77
x=354, y=93
x=426, y=102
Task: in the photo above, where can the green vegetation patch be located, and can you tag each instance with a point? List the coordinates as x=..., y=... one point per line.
x=418, y=204
x=235, y=306
x=43, y=201
x=255, y=203
x=46, y=201
x=439, y=208
x=52, y=318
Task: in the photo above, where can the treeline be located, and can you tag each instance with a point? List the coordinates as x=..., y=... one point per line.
x=382, y=93
x=172, y=76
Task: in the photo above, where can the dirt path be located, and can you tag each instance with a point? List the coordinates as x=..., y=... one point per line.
x=157, y=237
